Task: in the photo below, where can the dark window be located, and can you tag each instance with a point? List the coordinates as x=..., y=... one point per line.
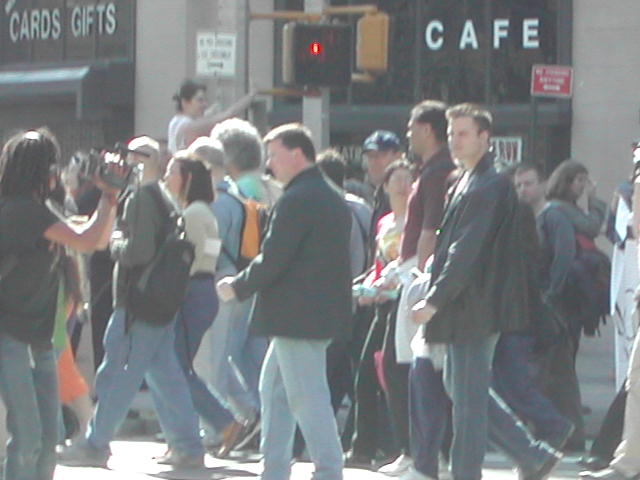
x=459, y=61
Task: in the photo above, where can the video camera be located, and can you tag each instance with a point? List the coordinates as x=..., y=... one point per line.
x=98, y=160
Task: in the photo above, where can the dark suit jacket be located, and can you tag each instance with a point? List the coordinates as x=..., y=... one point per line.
x=303, y=275
x=479, y=283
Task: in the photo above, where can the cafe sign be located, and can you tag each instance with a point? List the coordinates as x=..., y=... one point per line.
x=466, y=38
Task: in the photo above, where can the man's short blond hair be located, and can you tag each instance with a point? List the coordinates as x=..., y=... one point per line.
x=480, y=115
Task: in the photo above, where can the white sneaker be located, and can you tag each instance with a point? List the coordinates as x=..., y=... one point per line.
x=398, y=467
x=413, y=474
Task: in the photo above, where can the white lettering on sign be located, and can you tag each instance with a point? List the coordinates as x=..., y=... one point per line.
x=530, y=38
x=435, y=31
x=87, y=19
x=46, y=24
x=434, y=43
x=468, y=36
x=500, y=31
x=40, y=24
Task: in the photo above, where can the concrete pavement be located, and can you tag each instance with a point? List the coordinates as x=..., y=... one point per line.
x=133, y=461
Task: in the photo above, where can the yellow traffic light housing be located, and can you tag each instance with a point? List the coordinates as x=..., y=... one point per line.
x=372, y=43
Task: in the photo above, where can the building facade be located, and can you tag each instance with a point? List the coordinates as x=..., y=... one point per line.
x=97, y=71
x=68, y=65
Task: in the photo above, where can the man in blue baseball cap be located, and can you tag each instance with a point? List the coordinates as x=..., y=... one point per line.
x=378, y=150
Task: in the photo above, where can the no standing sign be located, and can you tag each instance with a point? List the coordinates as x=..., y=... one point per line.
x=551, y=81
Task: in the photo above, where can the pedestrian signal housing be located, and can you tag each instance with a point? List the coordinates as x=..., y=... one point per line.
x=316, y=55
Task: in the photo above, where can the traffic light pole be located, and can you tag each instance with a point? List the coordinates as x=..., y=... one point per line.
x=372, y=59
x=315, y=110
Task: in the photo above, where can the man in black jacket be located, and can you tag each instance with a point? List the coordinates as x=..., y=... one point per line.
x=303, y=281
x=478, y=289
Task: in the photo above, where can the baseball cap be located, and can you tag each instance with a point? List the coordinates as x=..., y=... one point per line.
x=143, y=145
x=381, y=140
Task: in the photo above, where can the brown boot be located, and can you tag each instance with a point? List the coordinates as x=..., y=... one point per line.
x=230, y=437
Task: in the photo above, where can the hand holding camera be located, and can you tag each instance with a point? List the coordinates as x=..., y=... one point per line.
x=108, y=168
x=112, y=174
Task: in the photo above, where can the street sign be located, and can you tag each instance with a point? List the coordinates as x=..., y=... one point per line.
x=216, y=54
x=551, y=81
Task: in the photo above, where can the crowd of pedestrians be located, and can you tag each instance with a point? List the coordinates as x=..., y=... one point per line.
x=442, y=300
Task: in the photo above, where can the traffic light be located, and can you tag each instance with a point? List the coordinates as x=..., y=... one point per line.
x=372, y=43
x=316, y=55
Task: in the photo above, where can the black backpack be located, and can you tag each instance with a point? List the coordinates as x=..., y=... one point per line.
x=587, y=287
x=585, y=295
x=156, y=291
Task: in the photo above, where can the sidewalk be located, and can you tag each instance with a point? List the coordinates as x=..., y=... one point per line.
x=132, y=461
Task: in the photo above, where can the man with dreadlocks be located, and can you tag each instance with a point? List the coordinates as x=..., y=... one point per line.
x=31, y=237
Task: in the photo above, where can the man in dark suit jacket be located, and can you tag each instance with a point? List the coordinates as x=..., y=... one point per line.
x=303, y=281
x=478, y=289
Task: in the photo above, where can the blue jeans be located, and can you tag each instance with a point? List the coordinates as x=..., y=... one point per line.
x=30, y=394
x=294, y=389
x=480, y=414
x=237, y=360
x=429, y=408
x=194, y=318
x=467, y=375
x=513, y=381
x=511, y=436
x=144, y=352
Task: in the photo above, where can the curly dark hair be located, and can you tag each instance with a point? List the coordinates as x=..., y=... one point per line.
x=27, y=163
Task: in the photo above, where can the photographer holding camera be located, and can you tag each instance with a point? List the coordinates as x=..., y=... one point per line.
x=138, y=349
x=144, y=160
x=30, y=251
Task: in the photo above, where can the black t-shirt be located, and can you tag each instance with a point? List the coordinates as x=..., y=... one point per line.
x=28, y=293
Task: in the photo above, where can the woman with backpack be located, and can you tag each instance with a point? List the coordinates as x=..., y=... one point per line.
x=189, y=181
x=30, y=249
x=568, y=183
x=560, y=224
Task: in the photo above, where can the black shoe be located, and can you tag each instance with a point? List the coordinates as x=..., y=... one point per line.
x=593, y=464
x=356, y=460
x=558, y=440
x=574, y=446
x=543, y=471
x=82, y=454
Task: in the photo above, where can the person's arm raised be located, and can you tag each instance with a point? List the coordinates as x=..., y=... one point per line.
x=91, y=235
x=202, y=126
x=87, y=237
